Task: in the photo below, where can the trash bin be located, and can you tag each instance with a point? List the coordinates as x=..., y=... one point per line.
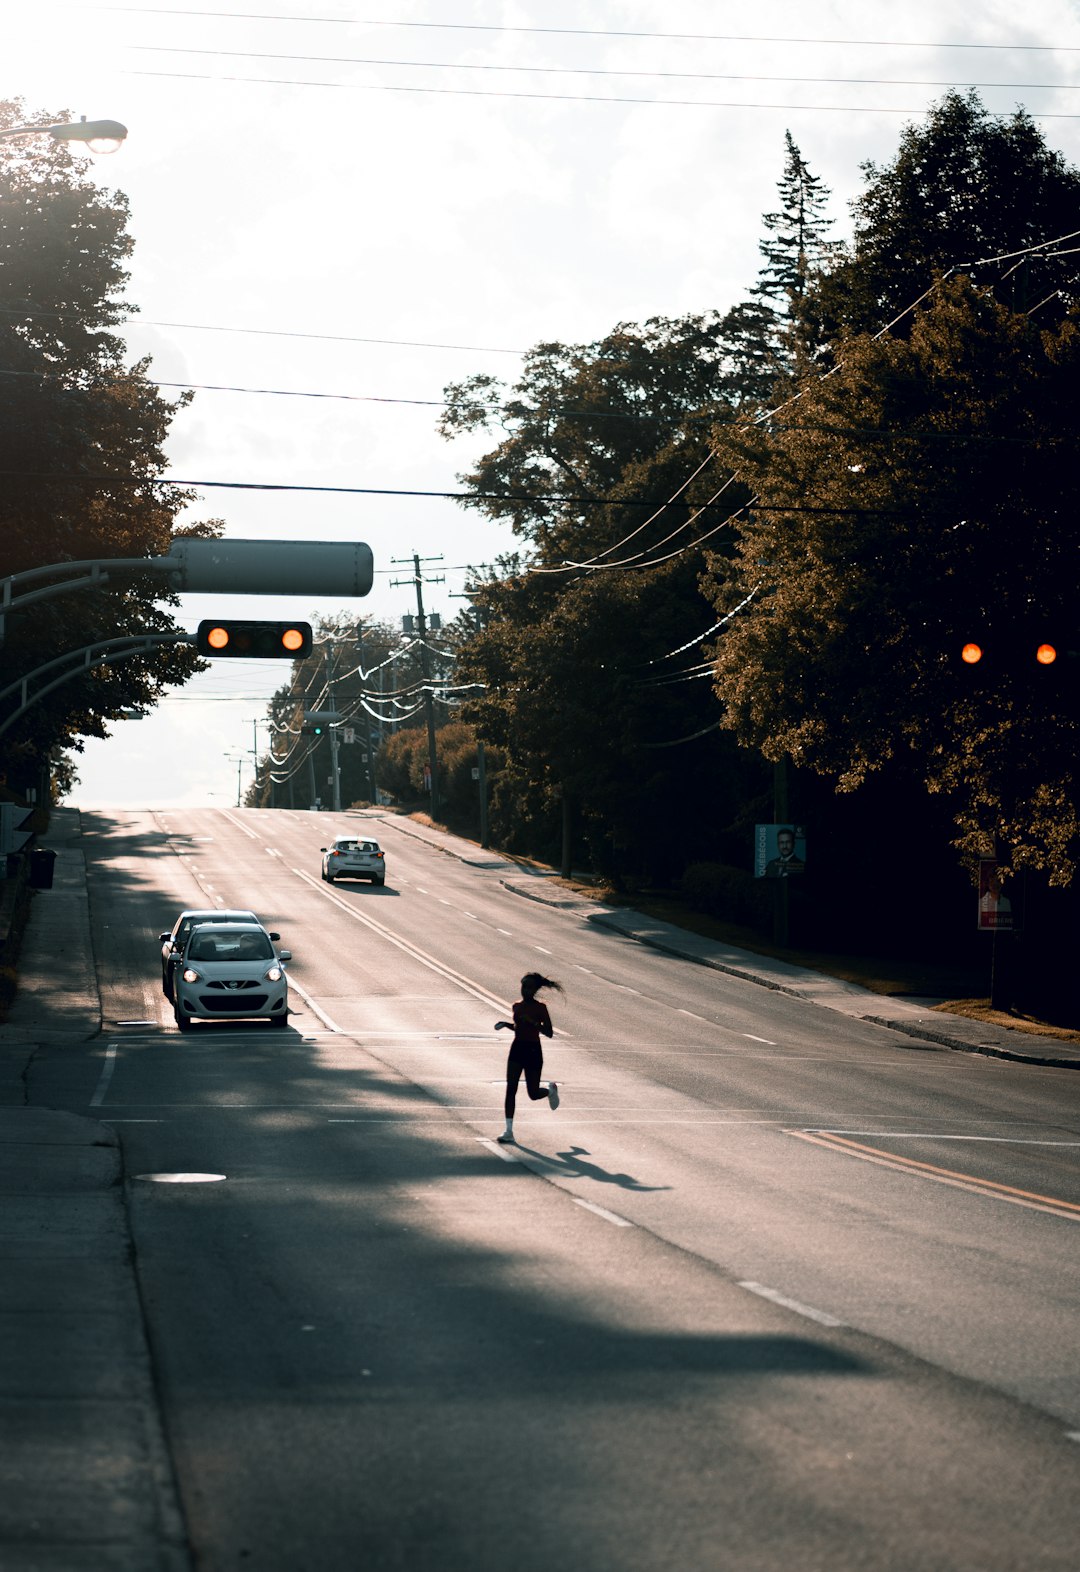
x=42, y=863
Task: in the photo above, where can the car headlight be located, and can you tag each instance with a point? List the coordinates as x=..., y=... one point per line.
x=191, y=975
x=273, y=974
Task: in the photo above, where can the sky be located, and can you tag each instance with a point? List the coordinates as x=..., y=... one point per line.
x=339, y=209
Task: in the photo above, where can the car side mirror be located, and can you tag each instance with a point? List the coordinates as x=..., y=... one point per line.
x=275, y=936
x=284, y=955
x=163, y=938
x=324, y=848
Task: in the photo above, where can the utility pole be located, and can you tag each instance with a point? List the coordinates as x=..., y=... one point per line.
x=331, y=704
x=481, y=762
x=425, y=665
x=369, y=746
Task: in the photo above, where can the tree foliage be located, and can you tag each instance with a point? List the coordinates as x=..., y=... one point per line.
x=81, y=440
x=919, y=496
x=965, y=186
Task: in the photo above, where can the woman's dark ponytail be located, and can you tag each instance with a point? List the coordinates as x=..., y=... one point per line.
x=532, y=982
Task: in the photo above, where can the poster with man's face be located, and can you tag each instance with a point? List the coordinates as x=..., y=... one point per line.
x=995, y=907
x=779, y=850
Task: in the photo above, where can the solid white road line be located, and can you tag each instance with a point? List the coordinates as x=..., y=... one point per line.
x=106, y=1076
x=600, y=1211
x=232, y=820
x=792, y=1304
x=505, y=1152
x=766, y=1040
x=312, y=1006
x=409, y=948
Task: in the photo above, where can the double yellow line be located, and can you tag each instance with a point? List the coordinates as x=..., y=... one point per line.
x=1070, y=1210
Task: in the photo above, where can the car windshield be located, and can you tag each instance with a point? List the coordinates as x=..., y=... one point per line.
x=231, y=946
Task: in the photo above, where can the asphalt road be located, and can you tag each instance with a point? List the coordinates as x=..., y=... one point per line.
x=773, y=1288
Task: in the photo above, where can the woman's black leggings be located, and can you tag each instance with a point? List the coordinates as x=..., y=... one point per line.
x=525, y=1059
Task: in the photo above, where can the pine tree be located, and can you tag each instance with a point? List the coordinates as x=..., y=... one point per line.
x=797, y=240
x=762, y=335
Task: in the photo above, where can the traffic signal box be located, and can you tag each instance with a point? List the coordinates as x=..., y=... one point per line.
x=254, y=640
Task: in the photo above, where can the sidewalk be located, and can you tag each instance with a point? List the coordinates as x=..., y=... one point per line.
x=914, y=1018
x=85, y=1479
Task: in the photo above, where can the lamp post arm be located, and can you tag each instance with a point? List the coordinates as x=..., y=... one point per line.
x=86, y=659
x=91, y=574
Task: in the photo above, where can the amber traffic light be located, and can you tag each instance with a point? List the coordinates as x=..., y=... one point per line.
x=254, y=640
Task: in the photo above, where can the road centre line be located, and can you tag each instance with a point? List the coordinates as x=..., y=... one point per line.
x=820, y=1316
x=540, y=947
x=505, y=931
x=106, y=1075
x=990, y=1189
x=931, y=1135
x=404, y=944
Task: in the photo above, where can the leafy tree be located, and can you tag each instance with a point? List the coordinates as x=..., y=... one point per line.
x=919, y=496
x=606, y=471
x=81, y=438
x=965, y=185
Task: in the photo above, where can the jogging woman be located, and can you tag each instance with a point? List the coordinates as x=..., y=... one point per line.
x=531, y=1021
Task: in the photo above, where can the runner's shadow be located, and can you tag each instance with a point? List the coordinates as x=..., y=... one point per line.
x=573, y=1167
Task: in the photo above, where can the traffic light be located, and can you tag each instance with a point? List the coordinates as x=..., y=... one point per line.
x=1019, y=654
x=317, y=722
x=254, y=640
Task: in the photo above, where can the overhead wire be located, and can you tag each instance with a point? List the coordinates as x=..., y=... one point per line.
x=539, y=70
x=579, y=32
x=571, y=98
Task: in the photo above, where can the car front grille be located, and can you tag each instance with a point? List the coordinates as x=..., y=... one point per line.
x=241, y=1002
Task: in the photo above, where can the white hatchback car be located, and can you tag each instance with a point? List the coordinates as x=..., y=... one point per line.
x=350, y=857
x=231, y=971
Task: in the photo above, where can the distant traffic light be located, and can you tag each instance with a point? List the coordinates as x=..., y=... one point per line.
x=254, y=640
x=316, y=722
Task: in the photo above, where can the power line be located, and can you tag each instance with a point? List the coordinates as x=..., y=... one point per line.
x=138, y=320
x=570, y=98
x=581, y=32
x=534, y=70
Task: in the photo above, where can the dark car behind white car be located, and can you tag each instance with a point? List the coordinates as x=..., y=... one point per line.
x=173, y=942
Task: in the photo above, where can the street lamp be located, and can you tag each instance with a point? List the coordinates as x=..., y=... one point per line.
x=96, y=136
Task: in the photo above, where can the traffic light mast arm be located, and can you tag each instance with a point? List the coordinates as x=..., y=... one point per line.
x=196, y=565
